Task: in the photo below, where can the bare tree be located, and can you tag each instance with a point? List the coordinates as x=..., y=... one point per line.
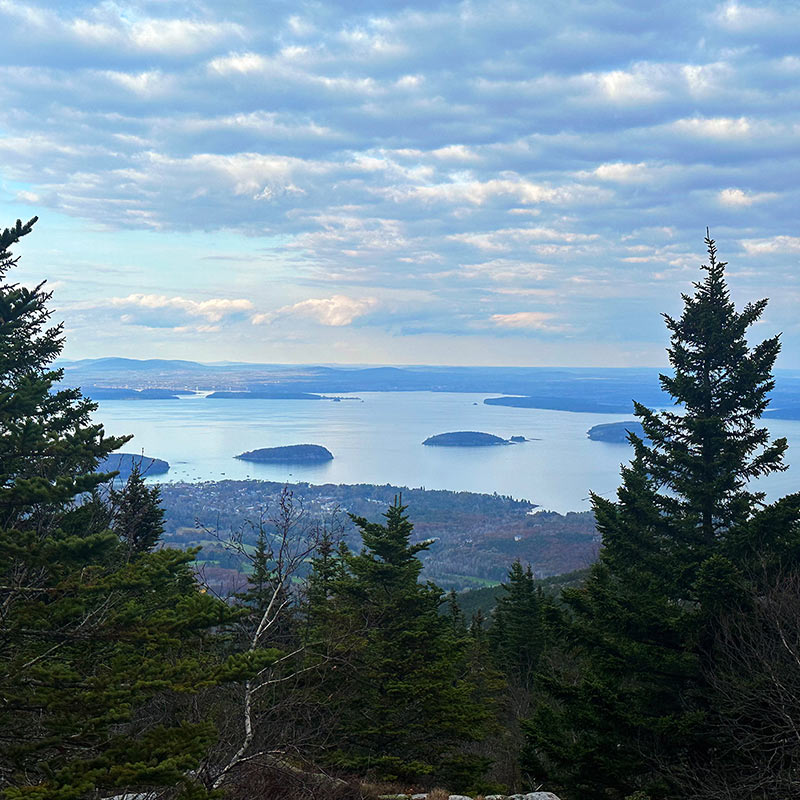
x=754, y=678
x=271, y=707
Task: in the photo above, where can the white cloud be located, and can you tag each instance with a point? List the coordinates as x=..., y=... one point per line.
x=213, y=310
x=455, y=152
x=527, y=320
x=505, y=270
x=776, y=244
x=112, y=26
x=627, y=173
x=146, y=84
x=337, y=311
x=741, y=18
x=703, y=80
x=715, y=127
x=635, y=86
x=180, y=35
x=479, y=193
x=738, y=198
x=505, y=238
x=241, y=63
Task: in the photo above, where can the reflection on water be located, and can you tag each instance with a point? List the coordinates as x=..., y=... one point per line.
x=380, y=441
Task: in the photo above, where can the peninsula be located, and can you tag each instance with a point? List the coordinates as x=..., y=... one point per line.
x=290, y=454
x=115, y=393
x=578, y=404
x=464, y=439
x=125, y=462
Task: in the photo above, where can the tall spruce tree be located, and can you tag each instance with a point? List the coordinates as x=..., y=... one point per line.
x=96, y=643
x=138, y=518
x=400, y=697
x=687, y=531
x=517, y=632
x=49, y=448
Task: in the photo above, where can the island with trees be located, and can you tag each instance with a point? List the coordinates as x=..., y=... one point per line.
x=465, y=439
x=289, y=454
x=615, y=432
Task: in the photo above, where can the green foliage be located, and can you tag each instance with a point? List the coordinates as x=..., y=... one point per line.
x=686, y=533
x=101, y=638
x=138, y=516
x=402, y=700
x=517, y=634
x=48, y=445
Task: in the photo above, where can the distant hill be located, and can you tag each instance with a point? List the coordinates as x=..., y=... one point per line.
x=125, y=462
x=592, y=389
x=464, y=439
x=477, y=536
x=616, y=432
x=113, y=364
x=290, y=454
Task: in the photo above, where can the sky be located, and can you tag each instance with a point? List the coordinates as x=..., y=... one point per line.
x=515, y=183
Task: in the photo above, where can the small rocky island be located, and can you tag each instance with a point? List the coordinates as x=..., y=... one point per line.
x=465, y=439
x=125, y=462
x=290, y=454
x=616, y=432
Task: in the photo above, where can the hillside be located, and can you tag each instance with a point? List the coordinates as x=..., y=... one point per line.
x=477, y=535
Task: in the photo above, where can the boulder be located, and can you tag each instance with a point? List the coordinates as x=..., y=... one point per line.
x=540, y=796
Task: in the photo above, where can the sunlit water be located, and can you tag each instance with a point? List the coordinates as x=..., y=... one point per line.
x=380, y=439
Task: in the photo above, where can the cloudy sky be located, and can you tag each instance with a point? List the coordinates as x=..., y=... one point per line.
x=456, y=183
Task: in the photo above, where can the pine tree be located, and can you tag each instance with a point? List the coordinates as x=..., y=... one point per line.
x=686, y=531
x=93, y=638
x=402, y=703
x=48, y=445
x=517, y=632
x=138, y=517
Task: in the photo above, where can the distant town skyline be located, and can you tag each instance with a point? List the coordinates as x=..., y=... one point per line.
x=465, y=183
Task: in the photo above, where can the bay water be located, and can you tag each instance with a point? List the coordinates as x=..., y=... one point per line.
x=378, y=439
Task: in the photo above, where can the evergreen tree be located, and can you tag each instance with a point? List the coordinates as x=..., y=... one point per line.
x=259, y=590
x=92, y=640
x=686, y=531
x=517, y=632
x=138, y=517
x=397, y=676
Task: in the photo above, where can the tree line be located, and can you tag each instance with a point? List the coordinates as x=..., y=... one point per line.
x=670, y=670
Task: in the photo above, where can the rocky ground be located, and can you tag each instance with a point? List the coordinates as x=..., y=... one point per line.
x=426, y=796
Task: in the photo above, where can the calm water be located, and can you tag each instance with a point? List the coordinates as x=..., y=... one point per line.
x=379, y=441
